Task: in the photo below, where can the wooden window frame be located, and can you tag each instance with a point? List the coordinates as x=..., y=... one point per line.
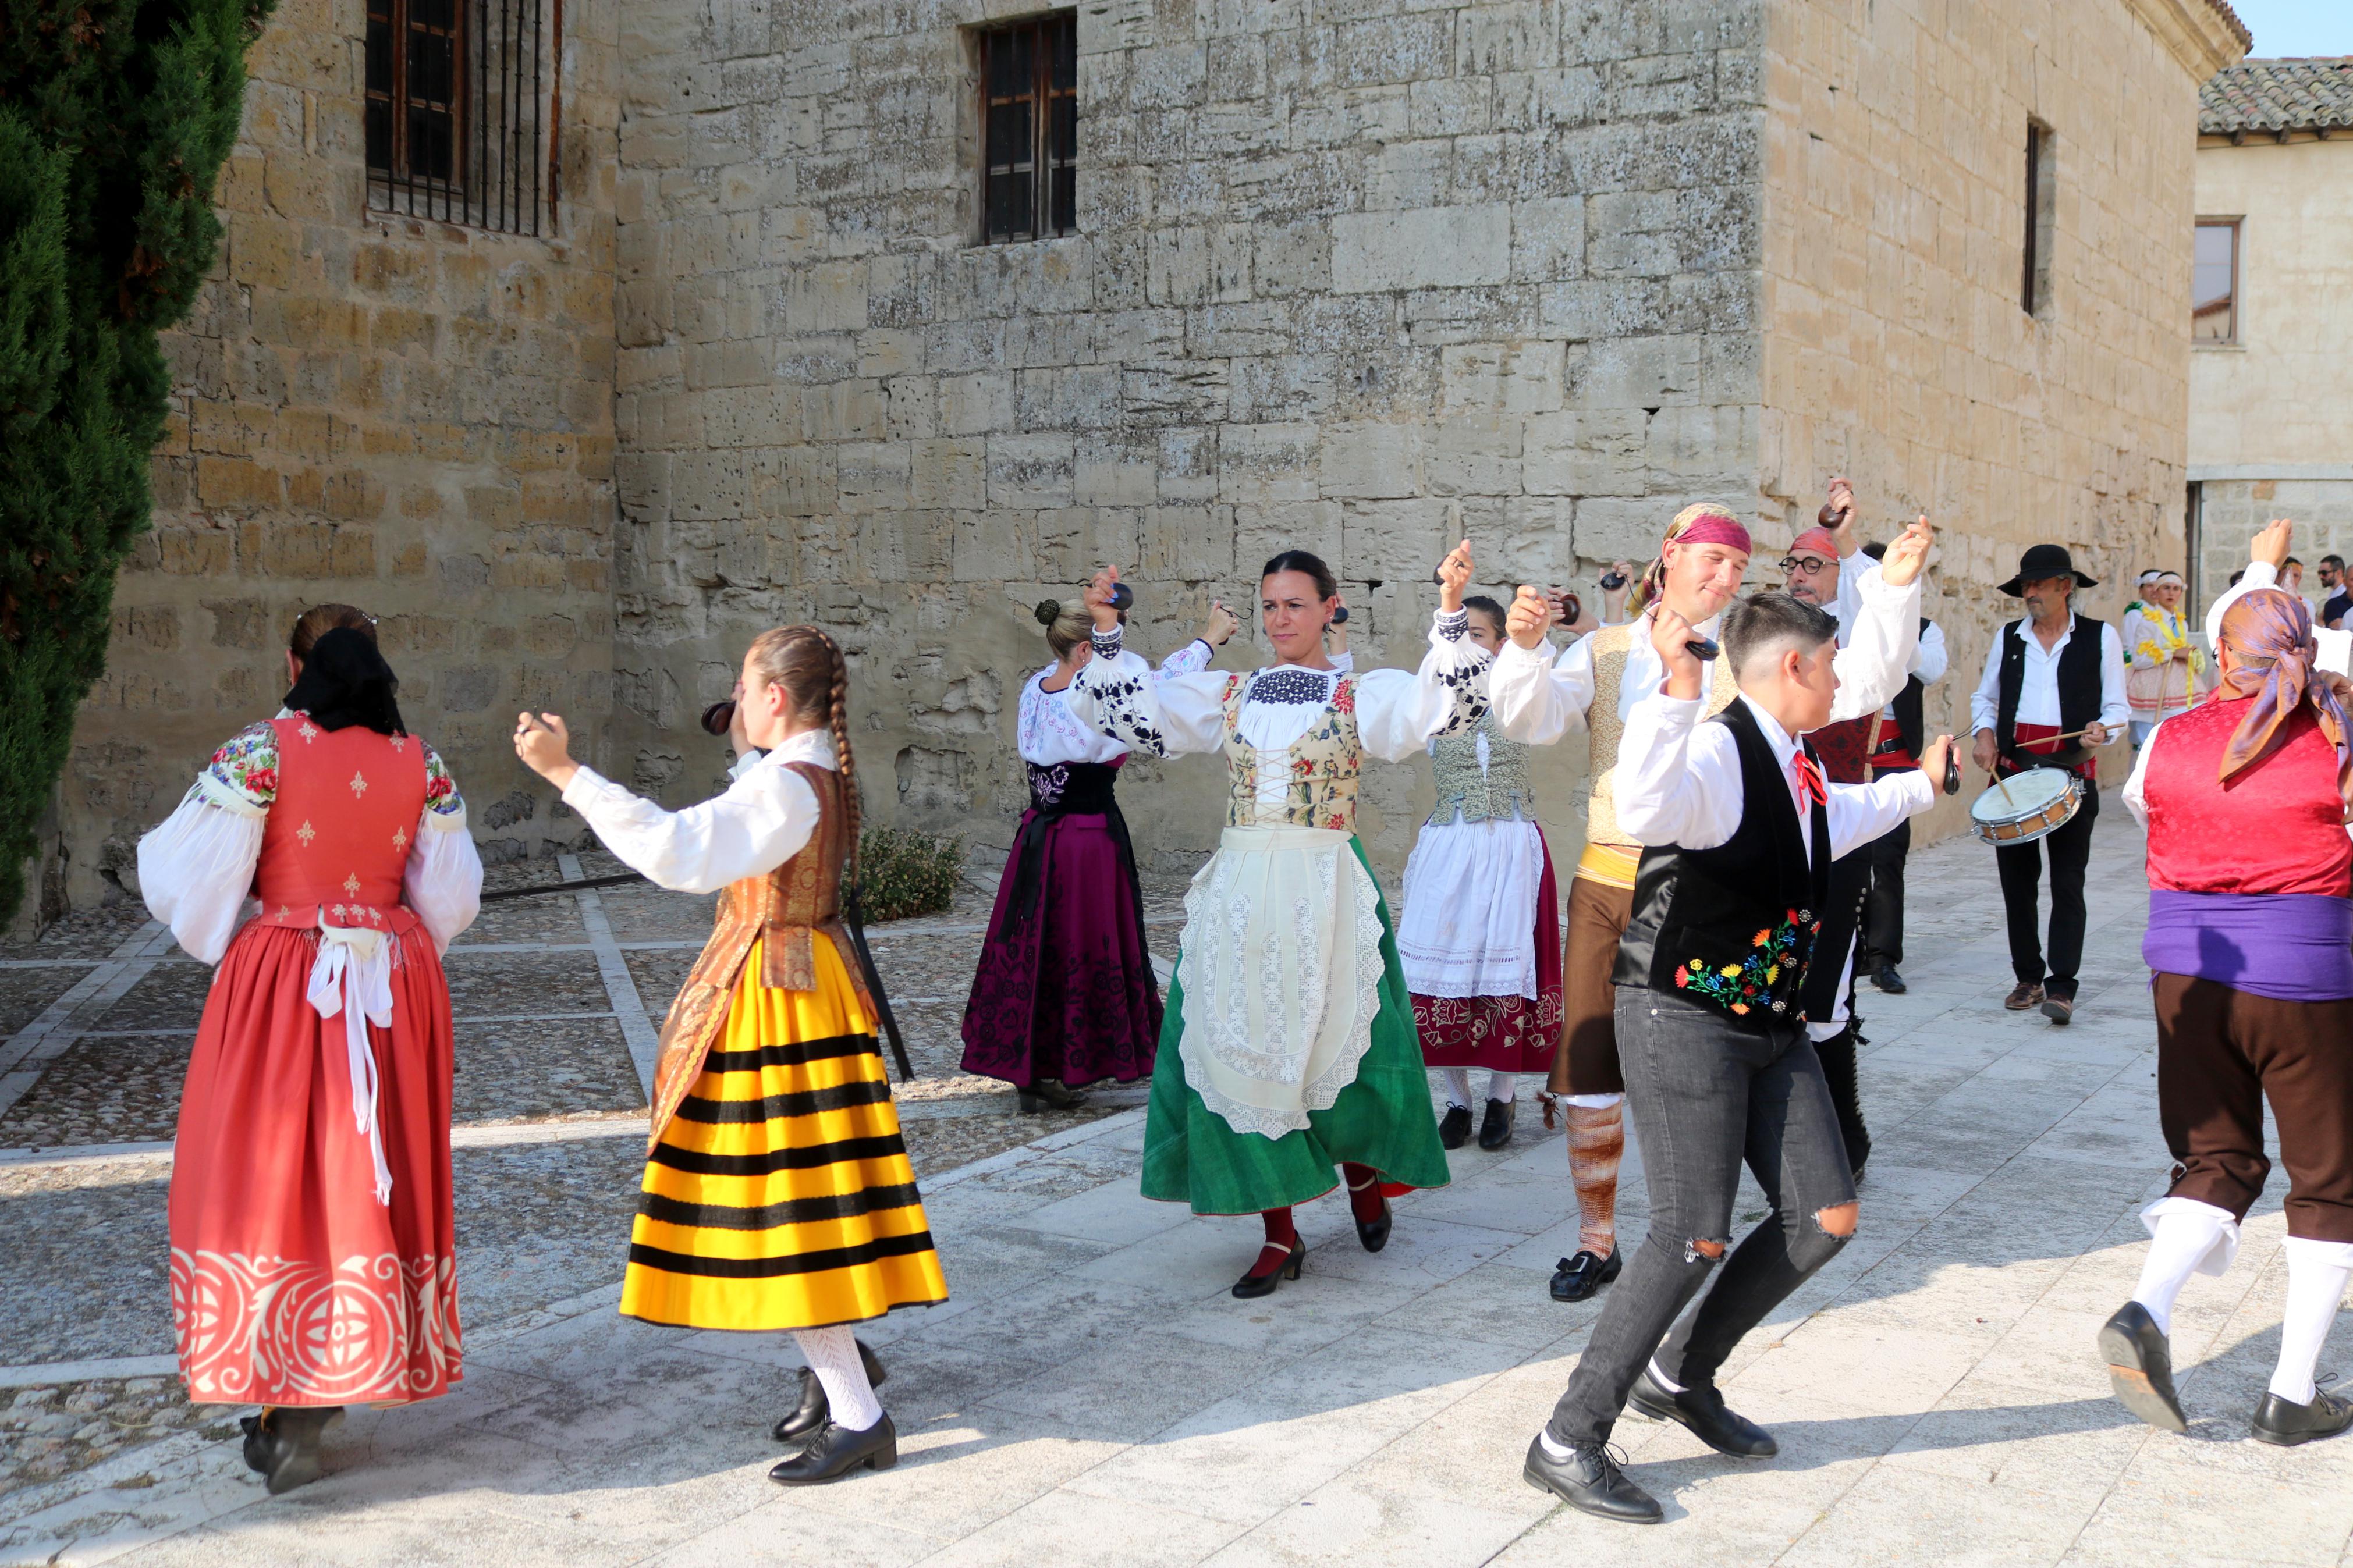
x=398, y=18
x=2237, y=274
x=1049, y=159
x=2040, y=210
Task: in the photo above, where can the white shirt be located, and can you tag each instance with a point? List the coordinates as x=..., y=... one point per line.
x=1048, y=732
x=1930, y=659
x=2038, y=693
x=764, y=819
x=1679, y=783
x=1539, y=698
x=2336, y=648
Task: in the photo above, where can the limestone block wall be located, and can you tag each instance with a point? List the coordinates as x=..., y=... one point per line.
x=411, y=416
x=1895, y=349
x=1363, y=278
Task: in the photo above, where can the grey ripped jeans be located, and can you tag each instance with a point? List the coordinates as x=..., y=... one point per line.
x=1706, y=1094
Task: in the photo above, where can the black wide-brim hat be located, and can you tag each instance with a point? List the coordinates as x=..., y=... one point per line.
x=2042, y=561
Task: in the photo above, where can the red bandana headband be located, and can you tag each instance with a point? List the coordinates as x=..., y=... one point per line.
x=1712, y=525
x=1819, y=540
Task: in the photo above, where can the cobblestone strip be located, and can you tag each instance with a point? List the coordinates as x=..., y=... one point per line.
x=83, y=1370
x=30, y=1052
x=627, y=1006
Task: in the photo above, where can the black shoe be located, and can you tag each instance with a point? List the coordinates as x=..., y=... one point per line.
x=834, y=1453
x=1051, y=1094
x=1580, y=1277
x=1889, y=981
x=288, y=1438
x=257, y=1452
x=1591, y=1480
x=1495, y=1129
x=1252, y=1285
x=1703, y=1410
x=1454, y=1128
x=2140, y=1368
x=2024, y=994
x=2279, y=1421
x=1375, y=1232
x=809, y=1414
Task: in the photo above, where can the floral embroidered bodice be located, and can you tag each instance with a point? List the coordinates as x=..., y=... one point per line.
x=1321, y=765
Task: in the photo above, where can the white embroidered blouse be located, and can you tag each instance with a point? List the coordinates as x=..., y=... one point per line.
x=1050, y=732
x=762, y=819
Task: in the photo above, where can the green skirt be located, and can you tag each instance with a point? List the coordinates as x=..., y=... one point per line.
x=1382, y=1120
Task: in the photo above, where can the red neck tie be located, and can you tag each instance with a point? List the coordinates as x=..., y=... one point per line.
x=1806, y=779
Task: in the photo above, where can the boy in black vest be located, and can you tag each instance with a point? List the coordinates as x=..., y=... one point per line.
x=2052, y=695
x=1711, y=1017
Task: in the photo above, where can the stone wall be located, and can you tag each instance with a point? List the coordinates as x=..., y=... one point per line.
x=411, y=416
x=1896, y=347
x=1362, y=277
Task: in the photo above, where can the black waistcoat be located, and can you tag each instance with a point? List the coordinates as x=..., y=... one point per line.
x=2079, y=689
x=1734, y=926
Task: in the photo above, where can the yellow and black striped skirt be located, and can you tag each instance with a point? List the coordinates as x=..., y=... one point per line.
x=780, y=1196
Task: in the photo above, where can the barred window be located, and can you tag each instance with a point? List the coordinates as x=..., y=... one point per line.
x=1029, y=127
x=462, y=108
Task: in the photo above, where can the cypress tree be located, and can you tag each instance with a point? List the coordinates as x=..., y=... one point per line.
x=115, y=118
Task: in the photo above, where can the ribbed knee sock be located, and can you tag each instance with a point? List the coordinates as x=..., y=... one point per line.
x=2317, y=1276
x=1501, y=1087
x=1596, y=1140
x=832, y=1354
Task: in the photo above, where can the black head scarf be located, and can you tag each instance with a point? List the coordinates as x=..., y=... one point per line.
x=345, y=682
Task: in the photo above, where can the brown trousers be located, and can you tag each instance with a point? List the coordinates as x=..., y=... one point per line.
x=1587, y=1062
x=2220, y=1051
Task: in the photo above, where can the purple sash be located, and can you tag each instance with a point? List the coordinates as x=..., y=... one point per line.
x=2294, y=947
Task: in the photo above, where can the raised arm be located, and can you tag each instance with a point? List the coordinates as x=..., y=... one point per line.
x=1538, y=698
x=1885, y=629
x=1678, y=780
x=762, y=821
x=196, y=866
x=1400, y=711
x=1161, y=715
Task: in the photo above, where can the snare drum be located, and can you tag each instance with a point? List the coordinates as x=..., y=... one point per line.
x=2026, y=806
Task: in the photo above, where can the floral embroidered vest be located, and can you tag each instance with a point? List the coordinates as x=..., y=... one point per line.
x=1323, y=764
x=337, y=836
x=790, y=907
x=1467, y=793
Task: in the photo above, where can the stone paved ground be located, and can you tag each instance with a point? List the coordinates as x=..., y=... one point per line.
x=1092, y=1395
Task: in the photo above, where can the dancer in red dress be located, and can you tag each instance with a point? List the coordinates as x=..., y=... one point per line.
x=314, y=1262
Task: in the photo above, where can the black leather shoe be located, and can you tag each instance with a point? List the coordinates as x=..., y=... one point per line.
x=1051, y=1094
x=1591, y=1480
x=1889, y=981
x=289, y=1439
x=1252, y=1285
x=1495, y=1129
x=834, y=1453
x=1703, y=1412
x=1375, y=1234
x=1578, y=1278
x=2285, y=1423
x=257, y=1452
x=1455, y=1127
x=2140, y=1368
x=809, y=1414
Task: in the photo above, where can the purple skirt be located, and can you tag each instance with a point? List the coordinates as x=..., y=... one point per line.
x=1065, y=987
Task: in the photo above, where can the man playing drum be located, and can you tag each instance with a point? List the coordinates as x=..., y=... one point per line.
x=2053, y=692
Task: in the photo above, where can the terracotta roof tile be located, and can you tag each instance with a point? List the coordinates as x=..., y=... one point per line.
x=2277, y=95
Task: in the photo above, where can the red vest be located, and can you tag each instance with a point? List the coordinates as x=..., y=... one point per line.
x=2277, y=827
x=1841, y=747
x=339, y=833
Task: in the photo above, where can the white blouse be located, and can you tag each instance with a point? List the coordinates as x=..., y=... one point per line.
x=196, y=868
x=764, y=819
x=1538, y=698
x=1397, y=711
x=1051, y=734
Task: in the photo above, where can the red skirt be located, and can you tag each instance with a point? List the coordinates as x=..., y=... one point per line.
x=1503, y=1034
x=290, y=1283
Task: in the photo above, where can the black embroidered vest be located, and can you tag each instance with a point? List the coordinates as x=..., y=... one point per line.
x=1734, y=926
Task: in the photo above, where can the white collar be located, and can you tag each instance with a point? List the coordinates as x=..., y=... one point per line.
x=1784, y=748
x=2025, y=625
x=1303, y=668
x=809, y=746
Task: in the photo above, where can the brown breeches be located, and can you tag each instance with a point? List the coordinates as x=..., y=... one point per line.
x=1587, y=1062
x=2220, y=1051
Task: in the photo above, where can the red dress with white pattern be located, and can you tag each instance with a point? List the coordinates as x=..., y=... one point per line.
x=306, y=1270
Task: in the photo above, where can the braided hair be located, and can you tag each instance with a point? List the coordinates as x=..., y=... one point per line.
x=809, y=665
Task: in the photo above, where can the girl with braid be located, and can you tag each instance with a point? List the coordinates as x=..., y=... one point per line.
x=777, y=1192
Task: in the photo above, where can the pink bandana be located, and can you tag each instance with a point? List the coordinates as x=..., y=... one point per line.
x=1819, y=540
x=1715, y=526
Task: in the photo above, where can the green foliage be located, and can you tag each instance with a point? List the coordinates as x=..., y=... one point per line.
x=905, y=874
x=115, y=118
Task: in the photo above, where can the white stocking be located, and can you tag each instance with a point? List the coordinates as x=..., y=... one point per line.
x=1503, y=1085
x=1458, y=1086
x=2317, y=1274
x=2186, y=1238
x=832, y=1354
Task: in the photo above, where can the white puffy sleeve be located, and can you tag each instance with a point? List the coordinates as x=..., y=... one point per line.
x=1400, y=710
x=1160, y=714
x=763, y=820
x=443, y=880
x=1537, y=699
x=197, y=868
x=1882, y=632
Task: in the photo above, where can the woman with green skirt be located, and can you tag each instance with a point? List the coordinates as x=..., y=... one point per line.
x=1287, y=1048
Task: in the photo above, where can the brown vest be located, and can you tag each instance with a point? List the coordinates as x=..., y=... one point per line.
x=788, y=907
